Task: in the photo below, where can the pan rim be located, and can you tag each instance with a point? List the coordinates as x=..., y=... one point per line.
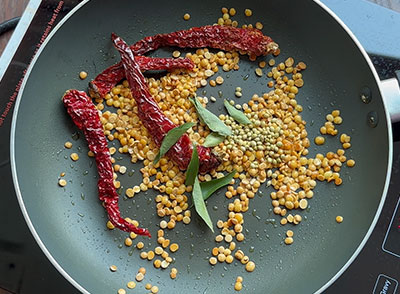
x=85, y=291
x=13, y=161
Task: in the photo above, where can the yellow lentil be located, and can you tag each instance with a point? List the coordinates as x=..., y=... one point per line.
x=250, y=266
x=248, y=12
x=68, y=145
x=128, y=242
x=129, y=192
x=173, y=247
x=259, y=72
x=288, y=240
x=219, y=80
x=238, y=286
x=62, y=182
x=131, y=285
x=157, y=263
x=339, y=219
x=83, y=75
x=173, y=273
x=74, y=156
x=176, y=54
x=139, y=277
x=110, y=225
x=319, y=140
x=186, y=16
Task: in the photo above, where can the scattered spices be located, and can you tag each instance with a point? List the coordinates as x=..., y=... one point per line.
x=275, y=137
x=153, y=117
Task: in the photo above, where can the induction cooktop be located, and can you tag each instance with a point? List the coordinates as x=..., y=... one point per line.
x=25, y=269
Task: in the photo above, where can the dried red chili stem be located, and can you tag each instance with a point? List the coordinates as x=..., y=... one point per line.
x=250, y=41
x=86, y=117
x=156, y=122
x=105, y=81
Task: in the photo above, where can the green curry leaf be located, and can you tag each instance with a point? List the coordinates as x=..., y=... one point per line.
x=171, y=138
x=210, y=119
x=237, y=115
x=213, y=139
x=193, y=168
x=200, y=205
x=208, y=188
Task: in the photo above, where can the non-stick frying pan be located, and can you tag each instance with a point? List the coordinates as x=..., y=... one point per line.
x=69, y=223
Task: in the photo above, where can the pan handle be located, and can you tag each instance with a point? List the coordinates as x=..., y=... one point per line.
x=391, y=95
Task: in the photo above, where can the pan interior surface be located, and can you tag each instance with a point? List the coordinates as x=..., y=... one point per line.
x=71, y=222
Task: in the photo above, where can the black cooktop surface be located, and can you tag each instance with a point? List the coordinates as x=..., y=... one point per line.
x=25, y=269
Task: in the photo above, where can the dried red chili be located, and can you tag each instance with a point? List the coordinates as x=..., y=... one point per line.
x=156, y=122
x=250, y=41
x=105, y=81
x=86, y=117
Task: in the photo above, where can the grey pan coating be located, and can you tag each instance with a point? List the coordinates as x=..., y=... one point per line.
x=69, y=223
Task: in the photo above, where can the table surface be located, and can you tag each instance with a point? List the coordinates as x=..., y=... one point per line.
x=13, y=8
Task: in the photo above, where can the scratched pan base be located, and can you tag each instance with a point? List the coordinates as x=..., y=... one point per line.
x=70, y=222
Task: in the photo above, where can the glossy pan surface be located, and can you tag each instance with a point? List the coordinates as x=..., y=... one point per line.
x=69, y=223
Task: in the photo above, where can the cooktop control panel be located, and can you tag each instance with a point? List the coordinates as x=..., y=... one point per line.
x=391, y=243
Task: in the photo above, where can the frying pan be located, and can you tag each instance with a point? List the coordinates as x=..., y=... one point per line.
x=69, y=223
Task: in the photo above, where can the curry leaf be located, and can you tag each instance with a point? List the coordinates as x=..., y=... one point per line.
x=208, y=188
x=237, y=115
x=200, y=205
x=213, y=139
x=171, y=138
x=210, y=119
x=193, y=168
